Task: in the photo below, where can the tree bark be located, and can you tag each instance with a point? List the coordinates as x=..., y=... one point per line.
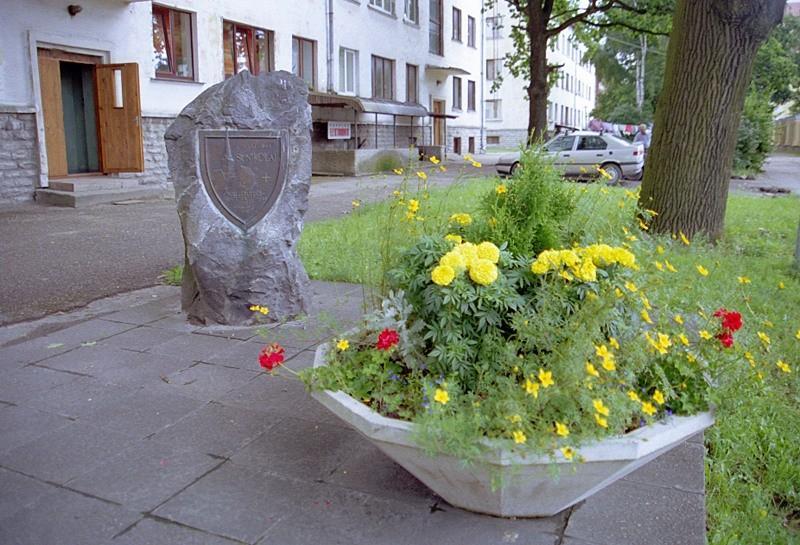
x=709, y=61
x=537, y=87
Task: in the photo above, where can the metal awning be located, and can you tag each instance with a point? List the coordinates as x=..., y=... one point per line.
x=447, y=70
x=367, y=105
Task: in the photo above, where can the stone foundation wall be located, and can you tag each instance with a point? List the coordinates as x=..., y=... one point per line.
x=464, y=133
x=156, y=170
x=509, y=138
x=19, y=157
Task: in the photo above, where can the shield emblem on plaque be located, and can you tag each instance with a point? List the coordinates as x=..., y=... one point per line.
x=243, y=171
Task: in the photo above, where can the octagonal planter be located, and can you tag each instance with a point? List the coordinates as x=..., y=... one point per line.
x=529, y=488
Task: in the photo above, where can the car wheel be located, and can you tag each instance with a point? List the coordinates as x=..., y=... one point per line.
x=513, y=169
x=614, y=171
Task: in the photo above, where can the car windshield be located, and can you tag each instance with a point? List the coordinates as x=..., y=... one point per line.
x=560, y=143
x=617, y=141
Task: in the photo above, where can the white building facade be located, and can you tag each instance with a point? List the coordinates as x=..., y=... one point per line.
x=379, y=68
x=570, y=101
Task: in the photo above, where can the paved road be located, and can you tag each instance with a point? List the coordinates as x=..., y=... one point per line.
x=55, y=259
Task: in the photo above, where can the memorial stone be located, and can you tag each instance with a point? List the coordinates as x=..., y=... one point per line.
x=240, y=163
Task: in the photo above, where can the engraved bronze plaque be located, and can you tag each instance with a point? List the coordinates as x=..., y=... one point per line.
x=243, y=172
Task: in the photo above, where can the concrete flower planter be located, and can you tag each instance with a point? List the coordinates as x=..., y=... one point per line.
x=529, y=488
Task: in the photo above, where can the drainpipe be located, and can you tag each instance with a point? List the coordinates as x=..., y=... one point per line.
x=329, y=28
x=481, y=144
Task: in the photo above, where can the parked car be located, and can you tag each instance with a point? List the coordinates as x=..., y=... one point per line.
x=579, y=154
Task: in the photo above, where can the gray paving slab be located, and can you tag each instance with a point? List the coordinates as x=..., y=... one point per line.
x=63, y=517
x=143, y=411
x=145, y=314
x=629, y=513
x=18, y=385
x=215, y=429
x=174, y=322
x=17, y=354
x=93, y=360
x=207, y=381
x=140, y=338
x=231, y=332
x=144, y=475
x=681, y=468
x=88, y=331
x=245, y=355
x=18, y=492
x=146, y=369
x=65, y=453
x=302, y=360
x=191, y=347
x=149, y=531
x=79, y=397
x=20, y=425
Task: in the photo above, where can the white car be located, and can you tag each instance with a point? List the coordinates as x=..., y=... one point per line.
x=580, y=153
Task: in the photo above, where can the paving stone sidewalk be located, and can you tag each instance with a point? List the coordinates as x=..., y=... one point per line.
x=129, y=426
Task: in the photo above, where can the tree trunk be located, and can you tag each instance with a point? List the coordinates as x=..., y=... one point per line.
x=709, y=62
x=537, y=87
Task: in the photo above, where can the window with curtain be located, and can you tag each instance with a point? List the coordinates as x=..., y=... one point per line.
x=382, y=78
x=173, y=47
x=246, y=48
x=304, y=60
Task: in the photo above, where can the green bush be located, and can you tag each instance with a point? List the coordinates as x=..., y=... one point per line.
x=754, y=140
x=530, y=212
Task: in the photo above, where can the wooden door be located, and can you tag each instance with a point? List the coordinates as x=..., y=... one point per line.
x=55, y=141
x=119, y=115
x=438, y=123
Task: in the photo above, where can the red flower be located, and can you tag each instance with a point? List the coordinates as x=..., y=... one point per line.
x=731, y=320
x=726, y=338
x=387, y=339
x=271, y=356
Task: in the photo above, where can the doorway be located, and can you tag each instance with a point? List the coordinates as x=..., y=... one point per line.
x=80, y=121
x=438, y=122
x=457, y=145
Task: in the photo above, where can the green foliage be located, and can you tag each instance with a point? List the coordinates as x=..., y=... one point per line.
x=530, y=216
x=754, y=139
x=173, y=276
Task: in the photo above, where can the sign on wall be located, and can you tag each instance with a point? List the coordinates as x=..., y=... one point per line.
x=338, y=130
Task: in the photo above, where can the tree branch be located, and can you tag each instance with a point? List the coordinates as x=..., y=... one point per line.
x=626, y=25
x=593, y=8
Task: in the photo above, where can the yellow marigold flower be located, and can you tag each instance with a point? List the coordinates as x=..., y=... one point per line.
x=453, y=238
x=631, y=287
x=546, y=378
x=587, y=271
x=461, y=219
x=702, y=270
x=608, y=363
x=684, y=239
x=678, y=319
x=561, y=429
x=602, y=422
x=658, y=265
x=658, y=397
x=600, y=407
x=483, y=272
x=421, y=175
x=343, y=344
x=705, y=334
x=441, y=396
x=613, y=342
x=764, y=338
x=669, y=266
x=455, y=260
x=565, y=275
x=433, y=159
x=519, y=437
x=648, y=408
x=783, y=366
x=501, y=189
x=633, y=396
x=487, y=250
x=590, y=369
x=645, y=316
x=532, y=388
x=743, y=279
x=443, y=275
x=660, y=249
x=515, y=418
x=398, y=171
x=684, y=339
x=539, y=267
x=567, y=452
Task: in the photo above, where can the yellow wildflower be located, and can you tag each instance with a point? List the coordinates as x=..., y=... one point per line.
x=705, y=334
x=631, y=287
x=356, y=203
x=684, y=239
x=783, y=366
x=645, y=316
x=648, y=408
x=764, y=338
x=443, y=275
x=658, y=265
x=515, y=418
x=601, y=421
x=501, y=189
x=442, y=168
x=691, y=358
x=398, y=171
x=519, y=437
x=618, y=293
x=461, y=219
x=684, y=339
x=669, y=266
x=660, y=249
x=532, y=388
x=476, y=164
x=421, y=175
x=702, y=270
x=487, y=250
x=613, y=342
x=433, y=159
x=343, y=344
x=453, y=238
x=781, y=285
x=643, y=225
x=483, y=271
x=600, y=407
x=658, y=397
x=797, y=335
x=546, y=378
x=567, y=452
x=590, y=369
x=633, y=396
x=561, y=429
x=743, y=279
x=441, y=396
x=468, y=158
x=260, y=309
x=678, y=319
x=413, y=205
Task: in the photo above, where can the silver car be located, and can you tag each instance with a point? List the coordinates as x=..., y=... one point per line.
x=584, y=153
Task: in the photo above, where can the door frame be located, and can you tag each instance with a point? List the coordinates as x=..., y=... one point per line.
x=47, y=40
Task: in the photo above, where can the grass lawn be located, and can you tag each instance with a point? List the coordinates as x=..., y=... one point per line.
x=753, y=462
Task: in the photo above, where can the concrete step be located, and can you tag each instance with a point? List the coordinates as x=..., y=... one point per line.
x=97, y=183
x=80, y=199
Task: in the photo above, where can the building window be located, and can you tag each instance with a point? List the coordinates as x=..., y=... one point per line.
x=493, y=110
x=412, y=83
x=493, y=67
x=382, y=78
x=383, y=5
x=304, y=60
x=173, y=38
x=494, y=26
x=348, y=71
x=435, y=34
x=492, y=140
x=456, y=24
x=456, y=93
x=246, y=48
x=471, y=31
x=471, y=96
x=412, y=11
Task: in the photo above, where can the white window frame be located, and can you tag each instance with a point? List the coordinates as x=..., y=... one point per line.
x=494, y=27
x=493, y=109
x=386, y=6
x=348, y=65
x=497, y=65
x=411, y=13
